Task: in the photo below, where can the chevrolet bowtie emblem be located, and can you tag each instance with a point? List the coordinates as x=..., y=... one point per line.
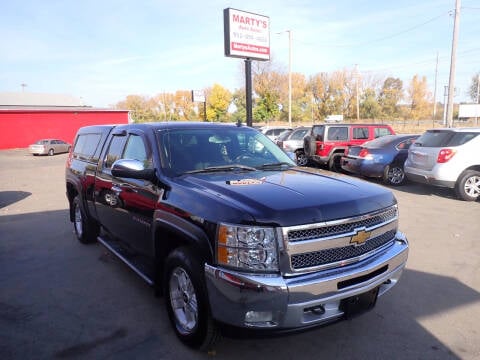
x=360, y=237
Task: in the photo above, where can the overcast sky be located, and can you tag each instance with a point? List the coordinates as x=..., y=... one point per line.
x=102, y=51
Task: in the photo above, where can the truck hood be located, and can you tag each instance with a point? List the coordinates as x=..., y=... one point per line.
x=286, y=198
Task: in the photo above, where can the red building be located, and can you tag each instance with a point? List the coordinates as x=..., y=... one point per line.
x=26, y=118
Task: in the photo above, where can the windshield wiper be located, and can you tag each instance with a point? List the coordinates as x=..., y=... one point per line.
x=233, y=167
x=274, y=165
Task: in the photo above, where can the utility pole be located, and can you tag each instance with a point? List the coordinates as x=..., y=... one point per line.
x=435, y=93
x=478, y=99
x=451, y=82
x=23, y=85
x=356, y=92
x=445, y=97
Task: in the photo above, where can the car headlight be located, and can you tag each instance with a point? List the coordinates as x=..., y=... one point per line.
x=250, y=248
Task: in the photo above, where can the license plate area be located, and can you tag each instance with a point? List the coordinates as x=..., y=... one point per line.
x=359, y=304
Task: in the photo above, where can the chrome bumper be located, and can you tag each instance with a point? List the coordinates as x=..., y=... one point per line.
x=272, y=301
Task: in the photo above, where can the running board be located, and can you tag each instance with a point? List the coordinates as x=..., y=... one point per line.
x=123, y=255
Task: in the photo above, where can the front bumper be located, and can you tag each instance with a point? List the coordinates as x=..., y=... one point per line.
x=277, y=303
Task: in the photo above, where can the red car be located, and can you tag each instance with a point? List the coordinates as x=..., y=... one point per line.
x=325, y=144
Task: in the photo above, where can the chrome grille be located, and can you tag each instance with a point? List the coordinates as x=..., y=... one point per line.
x=336, y=229
x=328, y=256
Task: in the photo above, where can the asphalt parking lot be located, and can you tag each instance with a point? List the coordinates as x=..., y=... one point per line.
x=61, y=299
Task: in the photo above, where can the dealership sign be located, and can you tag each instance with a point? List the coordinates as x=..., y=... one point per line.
x=246, y=35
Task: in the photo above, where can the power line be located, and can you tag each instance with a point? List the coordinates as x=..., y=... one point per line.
x=382, y=38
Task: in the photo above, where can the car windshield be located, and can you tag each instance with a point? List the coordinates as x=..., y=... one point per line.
x=219, y=149
x=41, y=142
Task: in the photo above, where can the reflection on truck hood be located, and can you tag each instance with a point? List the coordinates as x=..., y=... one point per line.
x=296, y=196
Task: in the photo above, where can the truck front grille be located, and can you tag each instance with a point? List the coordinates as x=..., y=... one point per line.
x=335, y=229
x=339, y=242
x=330, y=256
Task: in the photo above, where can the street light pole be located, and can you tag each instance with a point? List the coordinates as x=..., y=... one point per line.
x=451, y=82
x=289, y=75
x=289, y=78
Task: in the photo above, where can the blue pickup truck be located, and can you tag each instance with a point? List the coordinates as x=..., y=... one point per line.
x=220, y=221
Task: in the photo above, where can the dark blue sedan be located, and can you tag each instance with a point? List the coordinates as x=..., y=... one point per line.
x=380, y=158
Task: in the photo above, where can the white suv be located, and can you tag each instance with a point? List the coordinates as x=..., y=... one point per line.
x=449, y=158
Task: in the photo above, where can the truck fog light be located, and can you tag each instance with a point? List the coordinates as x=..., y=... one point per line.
x=252, y=317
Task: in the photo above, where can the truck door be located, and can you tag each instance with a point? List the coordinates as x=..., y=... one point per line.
x=125, y=206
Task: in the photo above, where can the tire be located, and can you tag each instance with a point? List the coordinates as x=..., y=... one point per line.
x=51, y=152
x=85, y=228
x=301, y=158
x=468, y=185
x=394, y=175
x=309, y=146
x=186, y=299
x=334, y=163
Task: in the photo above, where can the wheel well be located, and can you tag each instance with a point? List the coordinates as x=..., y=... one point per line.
x=474, y=167
x=165, y=242
x=71, y=194
x=336, y=152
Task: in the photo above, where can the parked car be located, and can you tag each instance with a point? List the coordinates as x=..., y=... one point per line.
x=448, y=158
x=283, y=136
x=274, y=131
x=49, y=147
x=326, y=143
x=380, y=158
x=293, y=143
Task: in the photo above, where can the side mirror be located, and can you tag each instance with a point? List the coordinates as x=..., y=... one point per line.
x=133, y=169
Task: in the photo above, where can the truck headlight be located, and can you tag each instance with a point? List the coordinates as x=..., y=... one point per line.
x=250, y=248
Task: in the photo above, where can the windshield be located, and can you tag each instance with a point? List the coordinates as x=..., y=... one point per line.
x=196, y=150
x=440, y=138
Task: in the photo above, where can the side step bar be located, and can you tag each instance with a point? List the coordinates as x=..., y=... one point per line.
x=123, y=255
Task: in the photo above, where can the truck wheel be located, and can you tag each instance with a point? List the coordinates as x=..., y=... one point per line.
x=334, y=163
x=301, y=158
x=186, y=299
x=394, y=175
x=468, y=185
x=85, y=228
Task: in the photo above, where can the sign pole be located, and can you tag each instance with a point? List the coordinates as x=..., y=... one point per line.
x=248, y=90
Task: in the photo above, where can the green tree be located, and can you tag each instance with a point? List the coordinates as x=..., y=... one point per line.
x=390, y=95
x=267, y=86
x=240, y=102
x=369, y=106
x=218, y=102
